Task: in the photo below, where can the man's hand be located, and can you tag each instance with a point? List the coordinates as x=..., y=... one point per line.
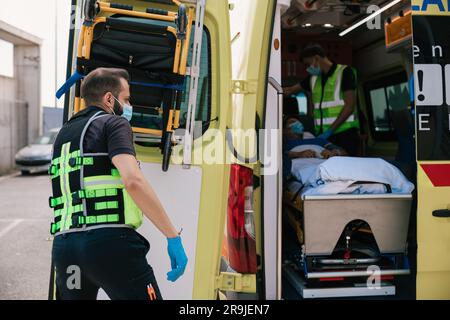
x=178, y=258
x=327, y=154
x=302, y=154
x=288, y=91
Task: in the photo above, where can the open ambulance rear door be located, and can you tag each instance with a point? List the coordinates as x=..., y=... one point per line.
x=432, y=98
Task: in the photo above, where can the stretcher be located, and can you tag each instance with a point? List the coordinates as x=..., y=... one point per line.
x=341, y=236
x=153, y=46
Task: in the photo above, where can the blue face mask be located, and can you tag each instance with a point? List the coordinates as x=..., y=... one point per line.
x=314, y=71
x=127, y=110
x=297, y=128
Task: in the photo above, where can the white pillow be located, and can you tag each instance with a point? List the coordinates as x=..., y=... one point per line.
x=308, y=135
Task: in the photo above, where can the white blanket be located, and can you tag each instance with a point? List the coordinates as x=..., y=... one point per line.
x=337, y=174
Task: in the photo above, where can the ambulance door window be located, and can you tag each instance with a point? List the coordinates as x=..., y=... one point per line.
x=384, y=95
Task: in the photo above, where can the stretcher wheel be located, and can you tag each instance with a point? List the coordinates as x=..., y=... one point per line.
x=167, y=151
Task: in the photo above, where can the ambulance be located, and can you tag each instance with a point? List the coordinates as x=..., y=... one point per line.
x=209, y=122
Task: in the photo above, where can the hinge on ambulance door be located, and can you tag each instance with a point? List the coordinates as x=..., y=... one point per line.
x=243, y=86
x=236, y=282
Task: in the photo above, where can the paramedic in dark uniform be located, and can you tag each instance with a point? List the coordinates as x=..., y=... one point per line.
x=333, y=92
x=96, y=217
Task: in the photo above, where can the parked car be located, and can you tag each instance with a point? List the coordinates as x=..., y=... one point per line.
x=37, y=156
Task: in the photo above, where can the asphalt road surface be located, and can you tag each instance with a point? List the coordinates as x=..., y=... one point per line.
x=25, y=242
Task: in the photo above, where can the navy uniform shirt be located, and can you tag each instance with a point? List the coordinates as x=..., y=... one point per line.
x=110, y=134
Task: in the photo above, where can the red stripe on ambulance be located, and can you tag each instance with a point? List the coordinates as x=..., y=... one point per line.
x=439, y=174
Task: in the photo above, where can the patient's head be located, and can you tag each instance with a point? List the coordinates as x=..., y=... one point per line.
x=293, y=128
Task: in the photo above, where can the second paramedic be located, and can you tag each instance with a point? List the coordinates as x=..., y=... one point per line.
x=333, y=92
x=98, y=194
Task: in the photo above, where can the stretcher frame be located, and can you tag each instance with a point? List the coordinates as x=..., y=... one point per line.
x=312, y=212
x=181, y=51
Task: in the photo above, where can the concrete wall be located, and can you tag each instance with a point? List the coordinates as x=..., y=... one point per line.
x=20, y=105
x=13, y=132
x=27, y=74
x=20, y=99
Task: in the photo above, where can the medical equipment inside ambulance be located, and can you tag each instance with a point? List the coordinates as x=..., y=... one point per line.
x=156, y=47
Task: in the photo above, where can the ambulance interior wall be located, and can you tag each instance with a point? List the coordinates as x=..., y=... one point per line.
x=361, y=49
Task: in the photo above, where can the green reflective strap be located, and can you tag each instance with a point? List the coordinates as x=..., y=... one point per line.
x=55, y=227
x=81, y=194
x=102, y=219
x=81, y=220
x=53, y=170
x=106, y=205
x=111, y=192
x=100, y=193
x=58, y=212
x=76, y=209
x=56, y=201
x=105, y=179
x=73, y=154
x=87, y=161
x=57, y=163
x=90, y=194
x=96, y=193
x=65, y=185
x=101, y=205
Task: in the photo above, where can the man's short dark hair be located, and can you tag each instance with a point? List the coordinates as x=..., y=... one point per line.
x=312, y=50
x=101, y=81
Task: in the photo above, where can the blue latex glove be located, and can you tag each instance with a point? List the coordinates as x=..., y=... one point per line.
x=178, y=258
x=326, y=134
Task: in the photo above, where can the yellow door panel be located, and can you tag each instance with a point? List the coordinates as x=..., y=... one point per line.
x=433, y=238
x=432, y=135
x=433, y=234
x=433, y=286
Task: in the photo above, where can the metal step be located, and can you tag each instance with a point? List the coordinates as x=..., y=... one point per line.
x=357, y=290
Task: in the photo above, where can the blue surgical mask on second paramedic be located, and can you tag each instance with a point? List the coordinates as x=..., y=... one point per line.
x=127, y=110
x=297, y=127
x=314, y=71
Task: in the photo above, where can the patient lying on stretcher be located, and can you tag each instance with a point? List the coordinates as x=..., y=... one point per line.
x=300, y=144
x=318, y=167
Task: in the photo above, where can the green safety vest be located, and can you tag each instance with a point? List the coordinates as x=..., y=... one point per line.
x=87, y=189
x=328, y=108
